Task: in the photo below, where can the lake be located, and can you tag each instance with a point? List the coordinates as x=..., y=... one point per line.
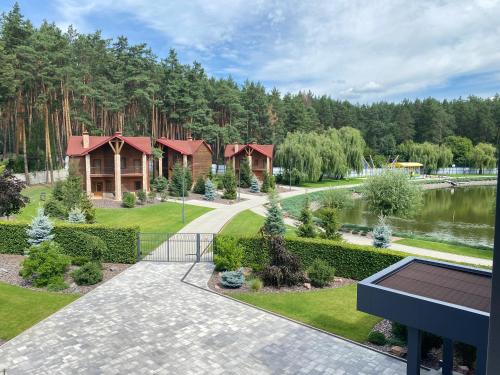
x=465, y=214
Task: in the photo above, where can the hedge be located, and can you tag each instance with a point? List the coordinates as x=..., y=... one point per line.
x=121, y=242
x=350, y=261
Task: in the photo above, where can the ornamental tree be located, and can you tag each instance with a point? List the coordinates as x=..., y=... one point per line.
x=382, y=234
x=210, y=193
x=11, y=199
x=245, y=176
x=392, y=193
x=229, y=184
x=40, y=229
x=274, y=224
x=306, y=227
x=484, y=156
x=76, y=216
x=254, y=185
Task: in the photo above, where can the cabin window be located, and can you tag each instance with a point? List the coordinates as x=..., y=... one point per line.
x=137, y=165
x=138, y=185
x=123, y=162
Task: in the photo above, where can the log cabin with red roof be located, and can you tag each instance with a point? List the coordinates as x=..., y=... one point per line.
x=111, y=165
x=260, y=157
x=193, y=154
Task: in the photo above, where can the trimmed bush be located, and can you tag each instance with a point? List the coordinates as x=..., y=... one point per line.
x=121, y=242
x=256, y=284
x=232, y=279
x=88, y=274
x=79, y=260
x=85, y=245
x=45, y=264
x=128, y=200
x=159, y=184
x=57, y=284
x=229, y=254
x=142, y=196
x=320, y=273
x=377, y=338
x=351, y=261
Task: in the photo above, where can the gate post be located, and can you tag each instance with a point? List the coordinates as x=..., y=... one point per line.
x=138, y=246
x=198, y=248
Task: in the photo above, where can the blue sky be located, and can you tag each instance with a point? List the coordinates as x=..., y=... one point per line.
x=359, y=50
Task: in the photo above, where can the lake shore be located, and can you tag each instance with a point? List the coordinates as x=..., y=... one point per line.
x=443, y=185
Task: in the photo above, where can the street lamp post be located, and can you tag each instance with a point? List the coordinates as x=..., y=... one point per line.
x=290, y=178
x=183, y=191
x=239, y=184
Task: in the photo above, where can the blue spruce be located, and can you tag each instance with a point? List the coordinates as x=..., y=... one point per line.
x=382, y=234
x=209, y=190
x=254, y=185
x=40, y=229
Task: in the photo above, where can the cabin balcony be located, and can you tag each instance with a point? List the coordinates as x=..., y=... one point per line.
x=110, y=171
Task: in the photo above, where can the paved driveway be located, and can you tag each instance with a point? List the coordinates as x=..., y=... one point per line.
x=145, y=321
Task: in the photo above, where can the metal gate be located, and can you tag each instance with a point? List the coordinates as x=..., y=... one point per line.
x=176, y=247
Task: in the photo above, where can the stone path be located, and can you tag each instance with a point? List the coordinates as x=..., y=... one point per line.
x=146, y=321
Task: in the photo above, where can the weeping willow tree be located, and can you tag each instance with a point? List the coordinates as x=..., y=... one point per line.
x=432, y=156
x=310, y=156
x=353, y=143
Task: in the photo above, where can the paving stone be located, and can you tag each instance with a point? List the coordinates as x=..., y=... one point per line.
x=146, y=321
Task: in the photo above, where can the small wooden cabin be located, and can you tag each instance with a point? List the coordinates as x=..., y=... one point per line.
x=193, y=154
x=260, y=157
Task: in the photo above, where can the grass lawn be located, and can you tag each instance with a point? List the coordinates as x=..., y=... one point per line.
x=161, y=217
x=248, y=223
x=448, y=248
x=333, y=310
x=21, y=308
x=331, y=182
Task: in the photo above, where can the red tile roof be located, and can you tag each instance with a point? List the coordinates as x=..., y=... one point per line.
x=75, y=143
x=266, y=150
x=187, y=147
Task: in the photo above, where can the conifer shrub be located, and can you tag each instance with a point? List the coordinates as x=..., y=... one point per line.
x=76, y=216
x=320, y=273
x=199, y=186
x=40, y=229
x=55, y=208
x=57, y=284
x=128, y=200
x=79, y=260
x=210, y=193
x=329, y=222
x=274, y=224
x=159, y=184
x=232, y=279
x=151, y=196
x=88, y=274
x=44, y=264
x=382, y=234
x=256, y=284
x=245, y=174
x=266, y=182
x=254, y=185
x=306, y=227
x=182, y=181
x=229, y=184
x=88, y=209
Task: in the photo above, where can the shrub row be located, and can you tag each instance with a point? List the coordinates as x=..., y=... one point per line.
x=350, y=261
x=120, y=242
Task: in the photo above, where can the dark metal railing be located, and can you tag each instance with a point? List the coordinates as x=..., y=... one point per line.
x=102, y=170
x=176, y=247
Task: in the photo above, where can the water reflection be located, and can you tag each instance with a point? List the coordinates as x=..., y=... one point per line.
x=465, y=214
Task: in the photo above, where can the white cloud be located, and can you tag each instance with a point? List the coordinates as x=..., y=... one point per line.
x=365, y=50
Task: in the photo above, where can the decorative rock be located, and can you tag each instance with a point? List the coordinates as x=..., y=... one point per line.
x=398, y=350
x=307, y=285
x=463, y=369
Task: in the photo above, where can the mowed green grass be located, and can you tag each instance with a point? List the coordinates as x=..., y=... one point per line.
x=331, y=182
x=448, y=248
x=161, y=217
x=333, y=310
x=20, y=308
x=248, y=223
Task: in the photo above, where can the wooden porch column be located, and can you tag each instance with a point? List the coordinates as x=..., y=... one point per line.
x=267, y=165
x=88, y=187
x=250, y=161
x=234, y=163
x=116, y=146
x=145, y=186
x=118, y=177
x=160, y=167
x=184, y=161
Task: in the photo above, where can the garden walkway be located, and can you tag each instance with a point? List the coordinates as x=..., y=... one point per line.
x=146, y=321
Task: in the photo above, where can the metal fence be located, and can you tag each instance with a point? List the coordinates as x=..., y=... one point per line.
x=176, y=247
